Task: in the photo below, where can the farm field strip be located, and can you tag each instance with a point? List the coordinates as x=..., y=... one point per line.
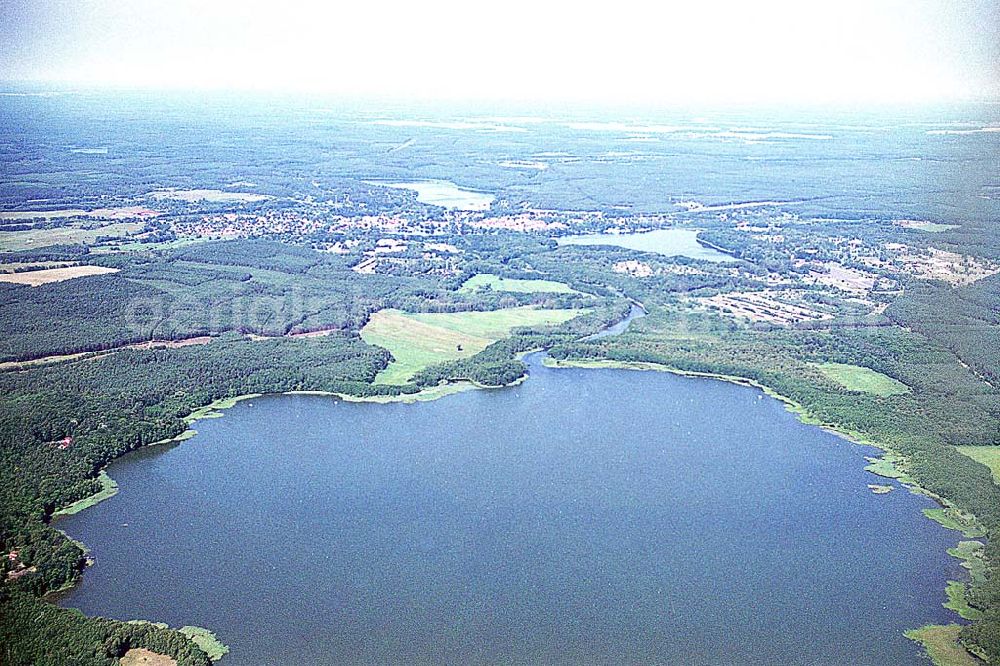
x=35, y=238
x=47, y=275
x=866, y=380
x=987, y=455
x=417, y=341
x=497, y=283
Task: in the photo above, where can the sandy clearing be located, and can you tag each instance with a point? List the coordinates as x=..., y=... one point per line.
x=45, y=276
x=207, y=195
x=144, y=657
x=845, y=279
x=91, y=356
x=633, y=268
x=124, y=212
x=762, y=306
x=171, y=344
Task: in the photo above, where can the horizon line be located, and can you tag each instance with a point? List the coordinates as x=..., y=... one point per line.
x=34, y=87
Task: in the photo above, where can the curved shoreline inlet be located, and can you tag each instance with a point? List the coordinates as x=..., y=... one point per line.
x=637, y=311
x=444, y=193
x=570, y=519
x=670, y=242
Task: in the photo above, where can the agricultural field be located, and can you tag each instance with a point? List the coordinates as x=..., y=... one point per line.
x=217, y=196
x=420, y=340
x=988, y=455
x=35, y=238
x=120, y=213
x=865, y=380
x=496, y=283
x=14, y=266
x=44, y=214
x=45, y=276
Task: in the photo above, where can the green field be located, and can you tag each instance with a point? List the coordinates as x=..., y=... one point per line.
x=497, y=283
x=424, y=339
x=34, y=238
x=932, y=227
x=988, y=455
x=865, y=380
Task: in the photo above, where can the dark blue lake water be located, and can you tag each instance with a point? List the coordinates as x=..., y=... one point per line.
x=584, y=517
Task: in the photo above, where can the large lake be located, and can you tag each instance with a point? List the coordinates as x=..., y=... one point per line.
x=583, y=517
x=669, y=242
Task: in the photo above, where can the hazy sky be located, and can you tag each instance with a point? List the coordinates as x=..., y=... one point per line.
x=661, y=52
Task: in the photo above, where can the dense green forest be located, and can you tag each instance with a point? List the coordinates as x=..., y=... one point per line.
x=257, y=287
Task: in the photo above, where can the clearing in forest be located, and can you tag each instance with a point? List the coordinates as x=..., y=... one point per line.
x=988, y=455
x=424, y=339
x=765, y=305
x=71, y=235
x=36, y=278
x=215, y=196
x=497, y=283
x=144, y=657
x=865, y=380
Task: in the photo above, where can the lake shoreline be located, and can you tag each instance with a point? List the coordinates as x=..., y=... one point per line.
x=213, y=410
x=886, y=466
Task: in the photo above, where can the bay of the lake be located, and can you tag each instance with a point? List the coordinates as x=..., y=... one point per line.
x=446, y=194
x=670, y=242
x=582, y=517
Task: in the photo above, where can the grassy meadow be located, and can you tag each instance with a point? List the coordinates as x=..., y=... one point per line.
x=424, y=339
x=988, y=455
x=497, y=283
x=864, y=380
x=33, y=238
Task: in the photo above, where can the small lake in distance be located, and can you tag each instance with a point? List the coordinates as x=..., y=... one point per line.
x=670, y=242
x=583, y=517
x=446, y=194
